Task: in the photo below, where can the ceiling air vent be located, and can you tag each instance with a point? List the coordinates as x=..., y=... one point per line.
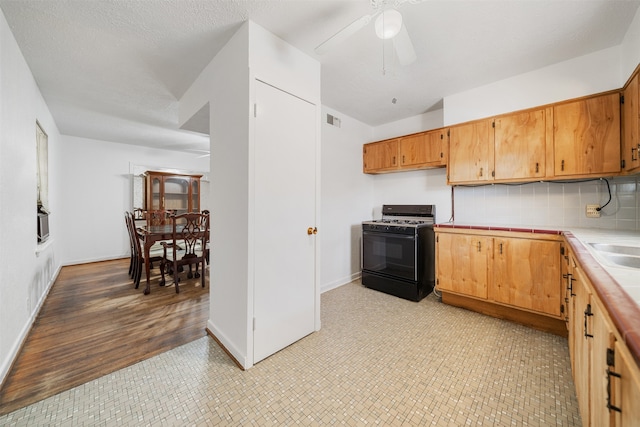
x=333, y=120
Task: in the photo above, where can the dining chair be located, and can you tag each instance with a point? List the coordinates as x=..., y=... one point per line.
x=131, y=244
x=189, y=232
x=206, y=212
x=155, y=253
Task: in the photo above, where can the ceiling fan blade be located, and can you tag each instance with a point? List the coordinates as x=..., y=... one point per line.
x=404, y=47
x=344, y=34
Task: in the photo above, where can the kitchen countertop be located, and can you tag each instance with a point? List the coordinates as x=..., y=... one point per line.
x=618, y=287
x=627, y=277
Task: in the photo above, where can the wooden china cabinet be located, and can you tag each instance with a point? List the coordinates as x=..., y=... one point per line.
x=170, y=191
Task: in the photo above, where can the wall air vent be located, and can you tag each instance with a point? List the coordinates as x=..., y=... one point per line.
x=333, y=120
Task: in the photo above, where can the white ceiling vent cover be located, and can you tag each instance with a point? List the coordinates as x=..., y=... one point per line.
x=333, y=120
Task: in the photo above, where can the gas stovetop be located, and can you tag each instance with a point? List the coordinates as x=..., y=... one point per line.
x=403, y=217
x=402, y=221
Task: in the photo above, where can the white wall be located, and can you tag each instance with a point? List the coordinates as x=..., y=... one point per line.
x=226, y=78
x=251, y=54
x=630, y=48
x=585, y=75
x=425, y=121
x=25, y=276
x=347, y=194
x=97, y=182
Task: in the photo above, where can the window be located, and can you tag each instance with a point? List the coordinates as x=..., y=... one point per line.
x=42, y=156
x=43, y=167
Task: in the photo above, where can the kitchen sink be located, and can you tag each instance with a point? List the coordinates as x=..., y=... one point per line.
x=626, y=256
x=617, y=249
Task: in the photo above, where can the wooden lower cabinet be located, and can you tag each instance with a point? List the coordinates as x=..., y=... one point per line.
x=606, y=377
x=626, y=388
x=463, y=263
x=526, y=274
x=516, y=278
x=581, y=345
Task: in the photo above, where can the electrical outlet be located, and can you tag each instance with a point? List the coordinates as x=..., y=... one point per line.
x=592, y=211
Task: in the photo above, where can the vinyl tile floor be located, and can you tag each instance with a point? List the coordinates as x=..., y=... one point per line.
x=377, y=360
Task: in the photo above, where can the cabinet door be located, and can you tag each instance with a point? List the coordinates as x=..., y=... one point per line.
x=603, y=339
x=463, y=264
x=580, y=324
x=631, y=125
x=176, y=194
x=439, y=143
x=422, y=149
x=626, y=388
x=154, y=193
x=520, y=145
x=587, y=136
x=380, y=156
x=470, y=152
x=526, y=274
x=194, y=205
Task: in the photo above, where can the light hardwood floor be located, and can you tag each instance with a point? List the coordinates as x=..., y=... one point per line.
x=94, y=322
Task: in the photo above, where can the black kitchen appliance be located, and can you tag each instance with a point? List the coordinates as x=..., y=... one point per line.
x=398, y=251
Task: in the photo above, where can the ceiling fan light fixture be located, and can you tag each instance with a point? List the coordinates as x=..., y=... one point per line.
x=388, y=24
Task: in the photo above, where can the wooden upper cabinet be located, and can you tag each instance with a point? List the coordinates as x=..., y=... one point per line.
x=417, y=151
x=631, y=125
x=380, y=156
x=587, y=136
x=521, y=141
x=423, y=149
x=471, y=152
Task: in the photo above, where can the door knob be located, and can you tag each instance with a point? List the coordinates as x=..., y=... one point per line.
x=312, y=230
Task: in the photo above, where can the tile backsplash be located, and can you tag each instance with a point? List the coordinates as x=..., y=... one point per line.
x=561, y=204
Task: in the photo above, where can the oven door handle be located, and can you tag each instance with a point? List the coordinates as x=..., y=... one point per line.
x=388, y=234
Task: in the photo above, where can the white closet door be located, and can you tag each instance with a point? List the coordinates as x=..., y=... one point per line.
x=285, y=195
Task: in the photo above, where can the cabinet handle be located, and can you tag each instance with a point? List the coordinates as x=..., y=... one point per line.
x=480, y=171
x=537, y=167
x=403, y=159
x=562, y=165
x=587, y=313
x=634, y=153
x=394, y=160
x=479, y=246
x=611, y=363
x=500, y=248
x=570, y=281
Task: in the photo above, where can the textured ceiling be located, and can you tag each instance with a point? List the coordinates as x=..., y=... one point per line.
x=115, y=69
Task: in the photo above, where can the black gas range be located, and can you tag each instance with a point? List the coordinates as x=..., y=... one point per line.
x=398, y=251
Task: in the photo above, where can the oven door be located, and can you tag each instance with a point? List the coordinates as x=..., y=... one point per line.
x=390, y=254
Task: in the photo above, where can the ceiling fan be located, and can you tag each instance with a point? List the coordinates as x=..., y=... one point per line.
x=388, y=25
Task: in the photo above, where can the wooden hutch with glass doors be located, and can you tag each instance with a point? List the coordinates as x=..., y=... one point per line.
x=173, y=192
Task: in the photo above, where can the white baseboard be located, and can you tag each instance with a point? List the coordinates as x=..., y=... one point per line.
x=24, y=333
x=340, y=282
x=228, y=345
